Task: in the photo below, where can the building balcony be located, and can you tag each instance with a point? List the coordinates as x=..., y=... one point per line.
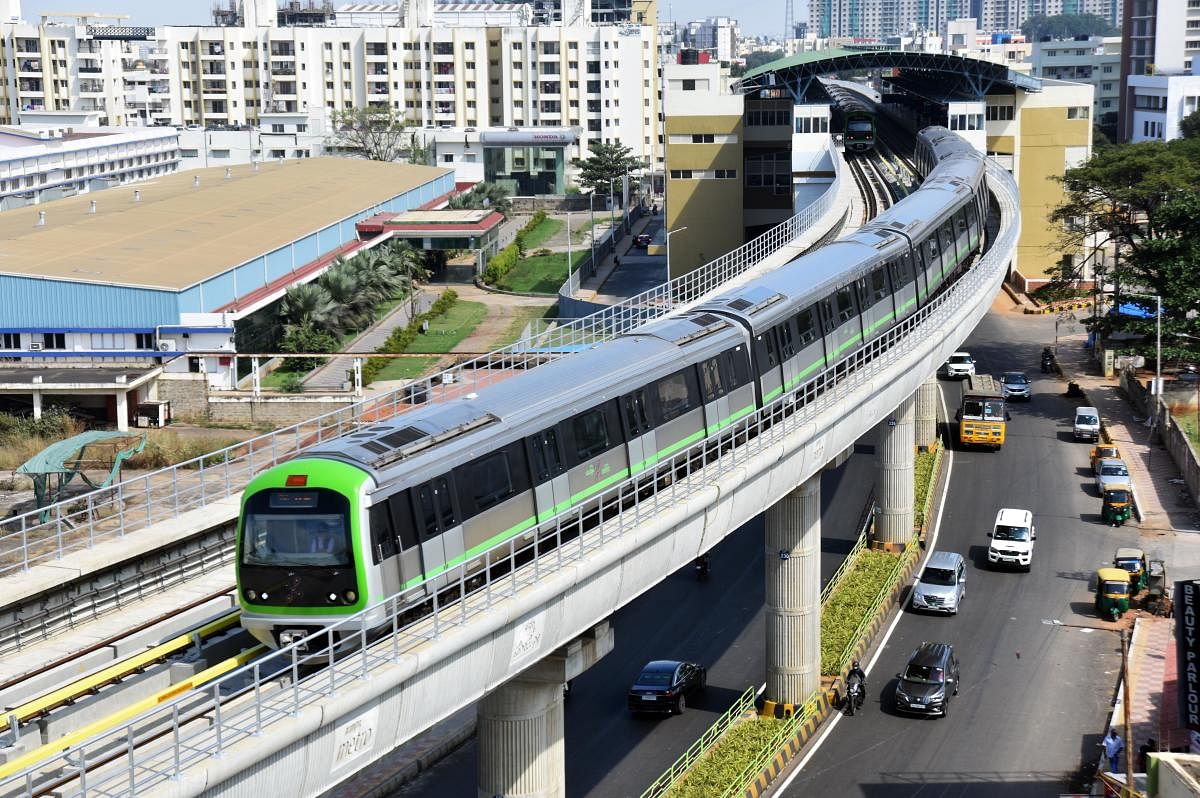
x=278, y=51
x=29, y=65
x=283, y=68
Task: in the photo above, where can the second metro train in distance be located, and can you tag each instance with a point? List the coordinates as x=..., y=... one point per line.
x=398, y=505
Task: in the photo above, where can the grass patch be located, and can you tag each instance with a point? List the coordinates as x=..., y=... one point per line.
x=406, y=368
x=448, y=330
x=276, y=378
x=542, y=232
x=741, y=746
x=1054, y=292
x=521, y=318
x=849, y=604
x=1187, y=423
x=540, y=274
x=923, y=477
x=165, y=448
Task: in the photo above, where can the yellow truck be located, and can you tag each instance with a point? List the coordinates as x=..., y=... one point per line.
x=982, y=415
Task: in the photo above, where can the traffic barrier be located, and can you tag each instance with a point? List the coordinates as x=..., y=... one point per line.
x=1057, y=306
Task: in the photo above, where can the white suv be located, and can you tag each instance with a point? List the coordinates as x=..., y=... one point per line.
x=960, y=364
x=1012, y=539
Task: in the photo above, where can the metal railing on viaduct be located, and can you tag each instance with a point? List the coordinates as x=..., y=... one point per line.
x=253, y=732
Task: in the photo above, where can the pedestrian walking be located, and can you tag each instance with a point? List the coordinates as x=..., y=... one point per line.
x=1113, y=747
x=616, y=262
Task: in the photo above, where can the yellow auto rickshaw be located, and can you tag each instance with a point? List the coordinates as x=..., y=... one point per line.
x=1134, y=561
x=1118, y=504
x=1112, y=592
x=1104, y=451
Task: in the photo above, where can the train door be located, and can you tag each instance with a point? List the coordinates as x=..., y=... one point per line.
x=716, y=403
x=950, y=260
x=786, y=332
x=810, y=347
x=639, y=431
x=875, y=301
x=935, y=270
x=550, y=488
x=962, y=234
x=401, y=511
x=767, y=363
x=594, y=445
x=920, y=271
x=904, y=286
x=972, y=209
x=678, y=412
x=839, y=313
x=437, y=523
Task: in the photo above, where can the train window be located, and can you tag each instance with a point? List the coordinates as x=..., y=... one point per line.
x=636, y=418
x=400, y=507
x=845, y=303
x=864, y=294
x=674, y=397
x=768, y=354
x=444, y=503
x=906, y=268
x=948, y=236
x=710, y=380
x=806, y=325
x=488, y=480
x=426, y=512
x=879, y=285
x=932, y=248
x=734, y=371
x=545, y=457
x=383, y=539
x=591, y=433
x=960, y=217
x=787, y=346
x=828, y=316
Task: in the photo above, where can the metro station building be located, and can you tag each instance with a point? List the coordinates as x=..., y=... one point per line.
x=103, y=294
x=742, y=159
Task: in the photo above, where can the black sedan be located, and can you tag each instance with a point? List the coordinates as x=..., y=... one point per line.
x=642, y=240
x=663, y=684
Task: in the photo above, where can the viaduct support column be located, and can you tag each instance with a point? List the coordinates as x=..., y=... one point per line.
x=927, y=402
x=793, y=566
x=895, y=456
x=520, y=729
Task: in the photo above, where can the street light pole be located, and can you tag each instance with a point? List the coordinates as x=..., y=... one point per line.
x=570, y=261
x=669, y=234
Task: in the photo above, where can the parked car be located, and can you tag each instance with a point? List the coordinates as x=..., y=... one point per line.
x=1012, y=539
x=1111, y=472
x=960, y=365
x=642, y=240
x=928, y=680
x=664, y=685
x=942, y=583
x=1015, y=385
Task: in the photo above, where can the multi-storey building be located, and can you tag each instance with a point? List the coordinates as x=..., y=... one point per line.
x=1159, y=84
x=1096, y=60
x=597, y=76
x=1111, y=10
x=717, y=36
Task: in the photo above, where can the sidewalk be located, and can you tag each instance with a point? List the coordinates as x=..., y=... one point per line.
x=331, y=375
x=1166, y=531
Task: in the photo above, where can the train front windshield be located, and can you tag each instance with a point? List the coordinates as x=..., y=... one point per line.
x=859, y=127
x=296, y=528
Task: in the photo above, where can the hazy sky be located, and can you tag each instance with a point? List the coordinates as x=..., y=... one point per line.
x=755, y=17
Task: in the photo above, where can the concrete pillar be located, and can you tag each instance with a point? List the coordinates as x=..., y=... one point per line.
x=122, y=411
x=894, y=457
x=37, y=405
x=927, y=402
x=793, y=572
x=520, y=730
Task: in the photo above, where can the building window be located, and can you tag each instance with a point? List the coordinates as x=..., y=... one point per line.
x=50, y=340
x=1078, y=112
x=108, y=341
x=681, y=174
x=143, y=340
x=726, y=174
x=702, y=138
x=10, y=340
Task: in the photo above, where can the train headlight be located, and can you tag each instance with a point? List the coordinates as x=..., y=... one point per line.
x=252, y=595
x=263, y=595
x=350, y=596
x=332, y=597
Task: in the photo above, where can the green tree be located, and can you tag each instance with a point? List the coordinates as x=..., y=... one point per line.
x=419, y=153
x=483, y=195
x=607, y=162
x=305, y=338
x=409, y=266
x=377, y=134
x=308, y=303
x=1066, y=26
x=352, y=300
x=1189, y=126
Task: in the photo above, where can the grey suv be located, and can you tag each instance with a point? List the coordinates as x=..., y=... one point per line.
x=928, y=680
x=942, y=584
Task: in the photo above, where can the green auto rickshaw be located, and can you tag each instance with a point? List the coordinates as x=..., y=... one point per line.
x=1118, y=504
x=1112, y=592
x=1134, y=561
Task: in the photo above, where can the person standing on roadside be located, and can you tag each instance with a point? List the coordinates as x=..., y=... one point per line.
x=1113, y=747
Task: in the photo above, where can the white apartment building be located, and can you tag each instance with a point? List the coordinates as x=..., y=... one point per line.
x=42, y=164
x=1160, y=45
x=718, y=36
x=1096, y=60
x=601, y=78
x=1111, y=10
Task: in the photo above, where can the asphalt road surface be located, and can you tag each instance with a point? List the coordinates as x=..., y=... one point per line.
x=718, y=622
x=1038, y=669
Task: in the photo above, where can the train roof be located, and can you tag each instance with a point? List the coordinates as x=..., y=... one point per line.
x=512, y=405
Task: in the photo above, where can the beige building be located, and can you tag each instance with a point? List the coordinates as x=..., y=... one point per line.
x=704, y=137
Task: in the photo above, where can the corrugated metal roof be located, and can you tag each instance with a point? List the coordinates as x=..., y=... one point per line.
x=178, y=235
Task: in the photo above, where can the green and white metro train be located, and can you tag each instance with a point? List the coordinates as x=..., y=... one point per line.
x=398, y=506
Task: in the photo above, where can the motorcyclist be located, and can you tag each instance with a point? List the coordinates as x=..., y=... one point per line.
x=857, y=675
x=702, y=566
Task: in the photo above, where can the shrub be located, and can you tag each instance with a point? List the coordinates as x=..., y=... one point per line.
x=543, y=252
x=500, y=264
x=739, y=747
x=401, y=337
x=519, y=240
x=291, y=383
x=849, y=603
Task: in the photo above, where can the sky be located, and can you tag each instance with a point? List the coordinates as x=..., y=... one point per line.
x=755, y=17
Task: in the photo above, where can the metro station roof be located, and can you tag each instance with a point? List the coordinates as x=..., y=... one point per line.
x=798, y=73
x=178, y=234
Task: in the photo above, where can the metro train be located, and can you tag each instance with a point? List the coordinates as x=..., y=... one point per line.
x=860, y=130
x=397, y=506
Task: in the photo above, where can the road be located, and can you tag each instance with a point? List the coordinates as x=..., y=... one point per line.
x=1034, y=693
x=718, y=622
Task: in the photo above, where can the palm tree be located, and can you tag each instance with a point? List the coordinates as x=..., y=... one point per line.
x=483, y=195
x=353, y=300
x=408, y=265
x=309, y=303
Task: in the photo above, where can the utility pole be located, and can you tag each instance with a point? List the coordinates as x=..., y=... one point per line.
x=1128, y=701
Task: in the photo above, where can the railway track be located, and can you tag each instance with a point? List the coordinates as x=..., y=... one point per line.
x=872, y=185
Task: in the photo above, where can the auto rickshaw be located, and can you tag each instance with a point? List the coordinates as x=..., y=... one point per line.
x=1118, y=504
x=1134, y=561
x=1112, y=592
x=1104, y=451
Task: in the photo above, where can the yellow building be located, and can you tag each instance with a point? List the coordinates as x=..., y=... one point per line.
x=703, y=131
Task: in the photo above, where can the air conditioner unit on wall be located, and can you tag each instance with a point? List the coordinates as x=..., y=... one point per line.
x=166, y=346
x=34, y=346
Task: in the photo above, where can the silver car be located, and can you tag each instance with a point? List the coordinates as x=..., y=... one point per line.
x=942, y=583
x=1015, y=385
x=1111, y=472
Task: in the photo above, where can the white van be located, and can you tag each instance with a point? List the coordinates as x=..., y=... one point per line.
x=1012, y=539
x=1087, y=424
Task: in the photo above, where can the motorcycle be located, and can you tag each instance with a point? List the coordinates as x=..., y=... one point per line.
x=854, y=696
x=702, y=567
x=1047, y=361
